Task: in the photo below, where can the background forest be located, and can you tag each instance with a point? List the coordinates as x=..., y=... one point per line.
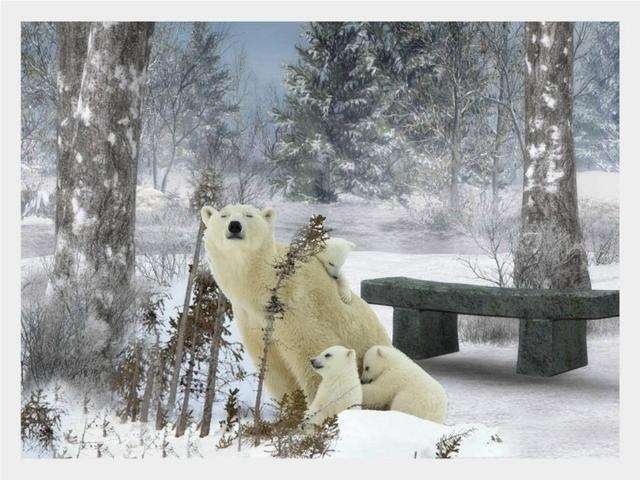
x=444, y=150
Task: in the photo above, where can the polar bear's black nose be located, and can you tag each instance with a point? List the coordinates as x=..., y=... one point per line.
x=235, y=226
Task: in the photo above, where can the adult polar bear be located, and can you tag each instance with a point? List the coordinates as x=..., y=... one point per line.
x=241, y=250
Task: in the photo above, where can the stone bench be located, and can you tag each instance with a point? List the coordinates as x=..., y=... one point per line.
x=552, y=330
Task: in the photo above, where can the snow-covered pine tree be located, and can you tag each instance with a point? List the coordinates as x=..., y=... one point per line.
x=432, y=74
x=186, y=96
x=331, y=129
x=102, y=69
x=550, y=253
x=39, y=99
x=597, y=95
x=453, y=95
x=503, y=42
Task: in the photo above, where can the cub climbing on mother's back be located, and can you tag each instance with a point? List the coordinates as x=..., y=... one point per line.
x=392, y=380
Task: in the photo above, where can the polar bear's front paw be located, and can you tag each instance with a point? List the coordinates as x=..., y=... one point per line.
x=345, y=295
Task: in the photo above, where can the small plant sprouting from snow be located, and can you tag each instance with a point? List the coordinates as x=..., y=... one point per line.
x=449, y=445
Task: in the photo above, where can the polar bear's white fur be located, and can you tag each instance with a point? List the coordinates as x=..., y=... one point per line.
x=242, y=251
x=333, y=257
x=339, y=388
x=394, y=381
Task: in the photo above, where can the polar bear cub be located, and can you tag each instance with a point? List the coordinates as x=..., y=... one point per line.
x=392, y=380
x=340, y=387
x=333, y=257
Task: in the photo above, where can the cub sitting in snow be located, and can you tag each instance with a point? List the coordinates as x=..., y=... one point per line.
x=333, y=257
x=392, y=380
x=339, y=388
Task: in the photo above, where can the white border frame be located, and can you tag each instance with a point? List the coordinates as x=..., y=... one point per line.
x=628, y=13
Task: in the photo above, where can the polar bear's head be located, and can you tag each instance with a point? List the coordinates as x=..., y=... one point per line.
x=375, y=361
x=238, y=226
x=335, y=254
x=334, y=361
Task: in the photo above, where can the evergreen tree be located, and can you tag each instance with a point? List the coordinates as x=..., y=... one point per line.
x=597, y=96
x=332, y=136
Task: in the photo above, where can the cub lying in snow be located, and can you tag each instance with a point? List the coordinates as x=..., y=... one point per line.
x=339, y=388
x=333, y=257
x=392, y=380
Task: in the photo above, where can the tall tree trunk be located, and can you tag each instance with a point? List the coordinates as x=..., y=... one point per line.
x=72, y=51
x=177, y=360
x=131, y=409
x=152, y=377
x=165, y=177
x=214, y=355
x=97, y=164
x=550, y=253
x=182, y=420
x=161, y=383
x=456, y=134
x=502, y=120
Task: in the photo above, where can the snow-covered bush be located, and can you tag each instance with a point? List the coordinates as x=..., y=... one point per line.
x=601, y=231
x=154, y=207
x=492, y=225
x=487, y=330
x=39, y=420
x=61, y=337
x=37, y=196
x=429, y=210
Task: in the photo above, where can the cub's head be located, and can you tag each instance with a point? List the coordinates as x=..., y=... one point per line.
x=335, y=254
x=238, y=226
x=375, y=362
x=334, y=360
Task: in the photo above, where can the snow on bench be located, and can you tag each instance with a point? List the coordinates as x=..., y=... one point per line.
x=553, y=330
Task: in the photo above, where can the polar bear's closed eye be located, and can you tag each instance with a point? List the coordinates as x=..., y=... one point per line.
x=237, y=227
x=333, y=257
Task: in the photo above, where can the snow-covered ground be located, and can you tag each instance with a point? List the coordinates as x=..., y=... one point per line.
x=573, y=414
x=363, y=434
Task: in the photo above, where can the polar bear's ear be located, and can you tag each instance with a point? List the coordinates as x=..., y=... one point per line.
x=207, y=212
x=380, y=354
x=351, y=353
x=269, y=214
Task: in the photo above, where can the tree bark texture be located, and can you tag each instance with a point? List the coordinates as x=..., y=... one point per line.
x=550, y=253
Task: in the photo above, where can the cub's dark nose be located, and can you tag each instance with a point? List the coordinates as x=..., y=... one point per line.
x=235, y=226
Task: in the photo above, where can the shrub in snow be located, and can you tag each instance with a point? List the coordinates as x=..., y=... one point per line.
x=61, y=337
x=289, y=434
x=156, y=207
x=429, y=210
x=39, y=420
x=36, y=202
x=600, y=223
x=492, y=224
x=449, y=445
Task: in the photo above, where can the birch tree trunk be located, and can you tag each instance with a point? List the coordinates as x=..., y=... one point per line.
x=214, y=355
x=97, y=163
x=182, y=420
x=182, y=327
x=502, y=121
x=550, y=253
x=72, y=51
x=152, y=376
x=456, y=135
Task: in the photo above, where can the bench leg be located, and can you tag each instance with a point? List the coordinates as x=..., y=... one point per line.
x=550, y=347
x=423, y=333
